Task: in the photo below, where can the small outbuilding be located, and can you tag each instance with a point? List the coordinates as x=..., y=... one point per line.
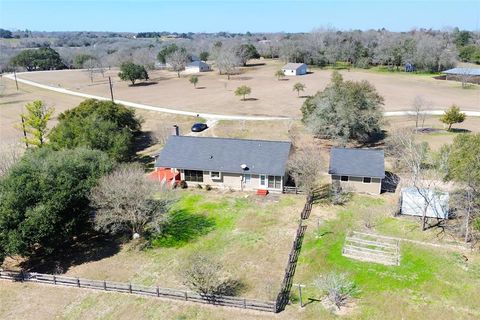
x=294, y=69
x=414, y=201
x=471, y=75
x=197, y=66
x=358, y=170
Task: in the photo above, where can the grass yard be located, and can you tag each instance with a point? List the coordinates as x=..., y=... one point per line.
x=249, y=235
x=429, y=283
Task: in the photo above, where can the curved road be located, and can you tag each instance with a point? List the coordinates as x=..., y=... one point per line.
x=208, y=116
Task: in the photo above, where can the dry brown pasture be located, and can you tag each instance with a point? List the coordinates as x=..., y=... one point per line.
x=270, y=97
x=12, y=105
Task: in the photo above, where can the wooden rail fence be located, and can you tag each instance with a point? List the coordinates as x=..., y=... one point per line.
x=284, y=294
x=236, y=302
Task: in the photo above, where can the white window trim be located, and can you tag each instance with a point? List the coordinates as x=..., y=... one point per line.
x=264, y=180
x=216, y=178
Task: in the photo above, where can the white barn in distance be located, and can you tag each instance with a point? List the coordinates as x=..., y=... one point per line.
x=197, y=66
x=413, y=203
x=294, y=69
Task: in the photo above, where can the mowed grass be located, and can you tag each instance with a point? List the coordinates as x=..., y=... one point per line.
x=428, y=284
x=251, y=236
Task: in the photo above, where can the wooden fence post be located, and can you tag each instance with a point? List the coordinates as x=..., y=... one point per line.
x=186, y=296
x=54, y=279
x=130, y=287
x=245, y=303
x=158, y=292
x=78, y=282
x=104, y=285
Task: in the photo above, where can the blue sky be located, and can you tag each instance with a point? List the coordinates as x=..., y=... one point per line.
x=236, y=16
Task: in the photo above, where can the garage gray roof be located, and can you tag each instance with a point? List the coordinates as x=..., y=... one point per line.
x=293, y=66
x=357, y=162
x=225, y=155
x=463, y=71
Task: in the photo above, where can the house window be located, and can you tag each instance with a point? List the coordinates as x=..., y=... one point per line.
x=262, y=180
x=274, y=182
x=367, y=180
x=344, y=178
x=247, y=178
x=215, y=175
x=194, y=175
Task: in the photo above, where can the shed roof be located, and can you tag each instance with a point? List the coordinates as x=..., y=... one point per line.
x=225, y=155
x=293, y=66
x=196, y=64
x=463, y=71
x=414, y=202
x=357, y=162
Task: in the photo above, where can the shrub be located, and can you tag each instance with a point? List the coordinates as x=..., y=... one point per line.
x=208, y=187
x=183, y=184
x=199, y=186
x=338, y=287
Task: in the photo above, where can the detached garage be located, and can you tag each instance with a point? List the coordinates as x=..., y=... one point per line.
x=294, y=69
x=197, y=66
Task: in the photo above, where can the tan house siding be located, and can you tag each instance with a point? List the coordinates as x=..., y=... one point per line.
x=232, y=181
x=356, y=184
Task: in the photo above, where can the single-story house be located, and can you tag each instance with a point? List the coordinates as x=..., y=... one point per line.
x=413, y=203
x=294, y=69
x=359, y=170
x=197, y=66
x=238, y=164
x=471, y=75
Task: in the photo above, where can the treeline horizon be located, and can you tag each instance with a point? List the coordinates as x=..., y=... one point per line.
x=428, y=50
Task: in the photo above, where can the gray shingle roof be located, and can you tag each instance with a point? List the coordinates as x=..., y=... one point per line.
x=225, y=155
x=293, y=66
x=463, y=71
x=357, y=162
x=197, y=64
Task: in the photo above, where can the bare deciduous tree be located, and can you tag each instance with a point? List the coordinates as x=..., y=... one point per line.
x=419, y=109
x=421, y=170
x=305, y=167
x=208, y=277
x=177, y=60
x=127, y=200
x=227, y=62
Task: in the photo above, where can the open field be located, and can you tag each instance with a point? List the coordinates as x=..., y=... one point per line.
x=12, y=105
x=270, y=97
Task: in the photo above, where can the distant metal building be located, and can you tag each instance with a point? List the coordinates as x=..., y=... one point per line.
x=471, y=75
x=413, y=203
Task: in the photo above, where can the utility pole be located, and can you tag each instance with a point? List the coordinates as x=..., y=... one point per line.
x=15, y=75
x=111, y=87
x=24, y=132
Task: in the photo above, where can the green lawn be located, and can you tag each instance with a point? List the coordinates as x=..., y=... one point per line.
x=251, y=236
x=428, y=284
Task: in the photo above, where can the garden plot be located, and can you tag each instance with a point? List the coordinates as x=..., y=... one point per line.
x=372, y=248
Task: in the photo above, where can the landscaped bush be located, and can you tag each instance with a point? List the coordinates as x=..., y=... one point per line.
x=208, y=187
x=338, y=287
x=183, y=184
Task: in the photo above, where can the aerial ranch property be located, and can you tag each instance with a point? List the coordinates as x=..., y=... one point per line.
x=236, y=164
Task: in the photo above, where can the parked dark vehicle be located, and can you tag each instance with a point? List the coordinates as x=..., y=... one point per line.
x=199, y=127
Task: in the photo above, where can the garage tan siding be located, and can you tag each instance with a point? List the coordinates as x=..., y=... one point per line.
x=356, y=184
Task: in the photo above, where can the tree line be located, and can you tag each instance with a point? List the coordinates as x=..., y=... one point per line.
x=425, y=50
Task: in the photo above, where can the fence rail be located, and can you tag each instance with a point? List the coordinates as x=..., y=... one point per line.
x=228, y=301
x=292, y=190
x=284, y=294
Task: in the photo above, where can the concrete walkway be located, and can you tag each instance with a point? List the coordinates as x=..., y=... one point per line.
x=208, y=116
